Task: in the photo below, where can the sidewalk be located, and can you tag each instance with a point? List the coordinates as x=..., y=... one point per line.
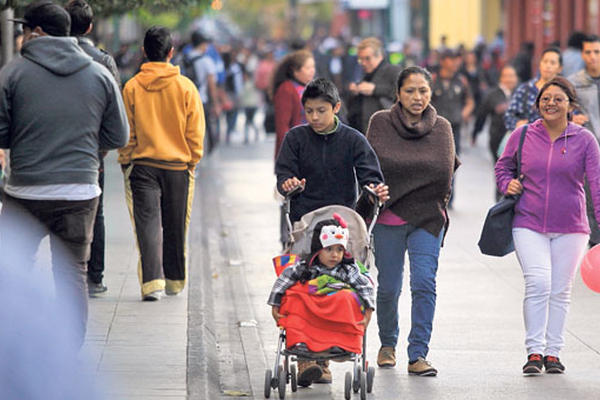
x=138, y=348
x=220, y=345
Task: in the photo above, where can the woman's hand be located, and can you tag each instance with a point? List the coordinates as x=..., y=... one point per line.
x=291, y=183
x=382, y=191
x=514, y=187
x=367, y=317
x=275, y=313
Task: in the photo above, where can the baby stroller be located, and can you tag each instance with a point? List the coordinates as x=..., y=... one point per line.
x=359, y=245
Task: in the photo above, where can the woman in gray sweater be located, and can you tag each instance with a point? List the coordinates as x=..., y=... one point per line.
x=415, y=147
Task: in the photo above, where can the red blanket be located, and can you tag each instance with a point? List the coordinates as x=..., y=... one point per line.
x=322, y=321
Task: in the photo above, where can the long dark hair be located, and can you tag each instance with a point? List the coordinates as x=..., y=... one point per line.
x=285, y=69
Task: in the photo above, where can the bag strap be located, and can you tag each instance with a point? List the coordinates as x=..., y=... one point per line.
x=520, y=149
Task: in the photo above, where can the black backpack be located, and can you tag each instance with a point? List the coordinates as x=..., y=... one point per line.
x=186, y=66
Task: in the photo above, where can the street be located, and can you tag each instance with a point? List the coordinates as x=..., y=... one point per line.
x=218, y=337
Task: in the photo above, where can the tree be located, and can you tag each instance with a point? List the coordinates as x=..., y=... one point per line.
x=110, y=7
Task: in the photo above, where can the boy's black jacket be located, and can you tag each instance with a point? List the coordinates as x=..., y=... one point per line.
x=331, y=164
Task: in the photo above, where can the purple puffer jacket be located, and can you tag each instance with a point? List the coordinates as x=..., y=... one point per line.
x=553, y=199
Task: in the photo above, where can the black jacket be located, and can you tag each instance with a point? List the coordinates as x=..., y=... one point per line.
x=360, y=108
x=100, y=56
x=331, y=165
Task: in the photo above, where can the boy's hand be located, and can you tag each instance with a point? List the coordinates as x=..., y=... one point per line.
x=367, y=318
x=291, y=183
x=382, y=191
x=275, y=313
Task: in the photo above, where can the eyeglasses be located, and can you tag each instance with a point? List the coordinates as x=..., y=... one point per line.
x=558, y=100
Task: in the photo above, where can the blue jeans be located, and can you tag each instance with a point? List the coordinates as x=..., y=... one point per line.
x=391, y=243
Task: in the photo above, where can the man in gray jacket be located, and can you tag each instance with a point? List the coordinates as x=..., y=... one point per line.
x=587, y=85
x=58, y=110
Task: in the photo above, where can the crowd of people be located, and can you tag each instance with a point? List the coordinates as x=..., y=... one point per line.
x=364, y=120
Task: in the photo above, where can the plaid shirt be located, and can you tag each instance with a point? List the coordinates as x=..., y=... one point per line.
x=522, y=105
x=346, y=272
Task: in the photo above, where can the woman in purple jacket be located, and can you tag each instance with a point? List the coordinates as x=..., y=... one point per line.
x=550, y=228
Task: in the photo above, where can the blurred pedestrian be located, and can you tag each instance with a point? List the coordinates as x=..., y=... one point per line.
x=375, y=91
x=522, y=61
x=495, y=105
x=550, y=227
x=416, y=149
x=586, y=82
x=167, y=131
x=452, y=98
x=290, y=78
x=249, y=101
x=522, y=109
x=473, y=72
x=82, y=17
x=59, y=110
x=572, y=58
x=263, y=77
x=451, y=95
x=204, y=75
x=234, y=83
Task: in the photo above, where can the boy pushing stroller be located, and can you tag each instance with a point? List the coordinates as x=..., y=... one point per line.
x=327, y=157
x=332, y=304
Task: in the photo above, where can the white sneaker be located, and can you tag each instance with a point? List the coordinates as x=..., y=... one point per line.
x=153, y=296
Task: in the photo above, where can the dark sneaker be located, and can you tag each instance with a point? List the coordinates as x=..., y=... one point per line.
x=386, y=357
x=95, y=289
x=553, y=365
x=326, y=375
x=308, y=372
x=534, y=364
x=421, y=367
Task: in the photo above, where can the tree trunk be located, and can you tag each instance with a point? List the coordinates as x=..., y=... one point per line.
x=7, y=29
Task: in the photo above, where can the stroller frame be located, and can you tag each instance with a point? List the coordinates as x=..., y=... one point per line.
x=362, y=376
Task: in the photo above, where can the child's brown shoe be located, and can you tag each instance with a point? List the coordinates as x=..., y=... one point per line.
x=308, y=372
x=326, y=376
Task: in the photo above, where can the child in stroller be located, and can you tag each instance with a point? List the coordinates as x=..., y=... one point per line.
x=324, y=301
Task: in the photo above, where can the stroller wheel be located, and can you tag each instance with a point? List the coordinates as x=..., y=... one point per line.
x=363, y=386
x=268, y=377
x=281, y=383
x=294, y=377
x=356, y=381
x=370, y=377
x=348, y=385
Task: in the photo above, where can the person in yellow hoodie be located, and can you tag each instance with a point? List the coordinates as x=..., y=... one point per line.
x=167, y=128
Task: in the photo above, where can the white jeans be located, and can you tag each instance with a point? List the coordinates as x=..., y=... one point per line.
x=549, y=262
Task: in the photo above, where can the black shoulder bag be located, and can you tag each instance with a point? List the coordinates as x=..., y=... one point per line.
x=496, y=235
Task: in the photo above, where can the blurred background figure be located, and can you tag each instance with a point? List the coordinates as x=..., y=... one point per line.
x=494, y=106
x=522, y=109
x=39, y=347
x=572, y=60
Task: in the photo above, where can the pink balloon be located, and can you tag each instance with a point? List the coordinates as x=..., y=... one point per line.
x=590, y=268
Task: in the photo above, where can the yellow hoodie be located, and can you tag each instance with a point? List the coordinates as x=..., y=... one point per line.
x=166, y=119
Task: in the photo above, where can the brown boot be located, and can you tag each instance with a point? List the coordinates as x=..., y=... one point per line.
x=326, y=376
x=386, y=357
x=308, y=372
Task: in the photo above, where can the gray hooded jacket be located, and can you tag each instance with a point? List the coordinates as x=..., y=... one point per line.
x=58, y=109
x=587, y=97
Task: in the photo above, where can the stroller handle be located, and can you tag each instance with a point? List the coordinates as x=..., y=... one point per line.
x=376, y=206
x=297, y=190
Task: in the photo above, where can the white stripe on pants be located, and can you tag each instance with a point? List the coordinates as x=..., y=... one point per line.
x=549, y=262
